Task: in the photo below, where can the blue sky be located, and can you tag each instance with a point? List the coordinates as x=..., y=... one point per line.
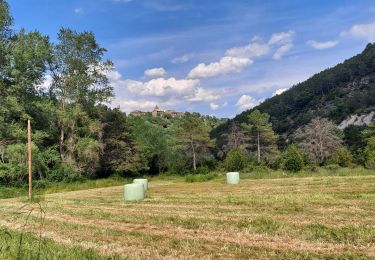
x=214, y=57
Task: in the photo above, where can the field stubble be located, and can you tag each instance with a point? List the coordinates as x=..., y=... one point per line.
x=304, y=217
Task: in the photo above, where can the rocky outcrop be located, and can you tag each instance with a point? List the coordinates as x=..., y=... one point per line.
x=363, y=119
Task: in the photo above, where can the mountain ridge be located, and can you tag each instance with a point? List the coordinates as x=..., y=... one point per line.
x=335, y=93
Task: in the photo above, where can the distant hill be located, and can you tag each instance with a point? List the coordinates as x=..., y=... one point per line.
x=335, y=93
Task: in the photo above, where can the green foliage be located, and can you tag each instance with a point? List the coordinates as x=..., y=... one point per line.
x=193, y=136
x=342, y=157
x=370, y=153
x=235, y=160
x=262, y=139
x=293, y=160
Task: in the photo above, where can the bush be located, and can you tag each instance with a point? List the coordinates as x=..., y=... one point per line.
x=293, y=160
x=235, y=160
x=342, y=157
x=370, y=153
x=64, y=173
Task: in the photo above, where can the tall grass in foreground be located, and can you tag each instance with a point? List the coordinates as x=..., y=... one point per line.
x=34, y=248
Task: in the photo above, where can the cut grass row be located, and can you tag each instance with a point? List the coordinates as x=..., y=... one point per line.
x=298, y=217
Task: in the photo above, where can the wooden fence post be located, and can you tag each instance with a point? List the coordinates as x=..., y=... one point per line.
x=29, y=159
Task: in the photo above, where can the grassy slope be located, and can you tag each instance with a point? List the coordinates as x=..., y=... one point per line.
x=296, y=217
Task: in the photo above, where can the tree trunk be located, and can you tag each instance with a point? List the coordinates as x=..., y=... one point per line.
x=194, y=158
x=62, y=152
x=258, y=147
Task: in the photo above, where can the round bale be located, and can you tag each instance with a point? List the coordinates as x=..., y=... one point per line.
x=142, y=181
x=134, y=191
x=233, y=178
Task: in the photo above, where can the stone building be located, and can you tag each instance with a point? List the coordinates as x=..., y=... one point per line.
x=158, y=112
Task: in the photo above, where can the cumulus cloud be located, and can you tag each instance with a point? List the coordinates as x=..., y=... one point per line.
x=155, y=72
x=214, y=106
x=246, y=102
x=182, y=59
x=161, y=87
x=201, y=95
x=226, y=65
x=279, y=53
x=279, y=91
x=366, y=30
x=322, y=45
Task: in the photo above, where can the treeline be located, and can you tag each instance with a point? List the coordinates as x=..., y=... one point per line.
x=319, y=143
x=76, y=135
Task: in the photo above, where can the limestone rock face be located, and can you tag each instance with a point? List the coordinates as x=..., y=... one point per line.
x=363, y=119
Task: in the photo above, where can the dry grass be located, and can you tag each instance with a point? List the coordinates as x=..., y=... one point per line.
x=299, y=218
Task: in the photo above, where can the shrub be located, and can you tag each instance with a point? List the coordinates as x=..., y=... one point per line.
x=235, y=160
x=342, y=157
x=370, y=153
x=293, y=160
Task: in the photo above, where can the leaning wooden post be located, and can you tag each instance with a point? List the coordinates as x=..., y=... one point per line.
x=29, y=159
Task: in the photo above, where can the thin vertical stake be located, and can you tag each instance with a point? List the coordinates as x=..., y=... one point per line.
x=30, y=159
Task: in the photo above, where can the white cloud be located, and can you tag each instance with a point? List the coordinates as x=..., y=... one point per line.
x=214, y=106
x=201, y=95
x=182, y=59
x=155, y=72
x=362, y=31
x=225, y=104
x=249, y=51
x=246, y=102
x=161, y=87
x=226, y=65
x=114, y=76
x=77, y=10
x=282, y=38
x=322, y=45
x=237, y=58
x=279, y=91
x=182, y=89
x=282, y=50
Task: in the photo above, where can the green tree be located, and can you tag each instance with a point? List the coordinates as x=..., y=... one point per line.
x=369, y=151
x=342, y=157
x=235, y=160
x=293, y=160
x=120, y=154
x=260, y=135
x=193, y=135
x=79, y=83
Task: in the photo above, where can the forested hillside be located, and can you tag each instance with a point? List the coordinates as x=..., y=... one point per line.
x=335, y=93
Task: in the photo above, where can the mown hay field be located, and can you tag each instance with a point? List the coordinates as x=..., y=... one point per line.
x=282, y=218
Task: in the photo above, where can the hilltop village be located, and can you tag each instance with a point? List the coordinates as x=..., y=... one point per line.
x=158, y=112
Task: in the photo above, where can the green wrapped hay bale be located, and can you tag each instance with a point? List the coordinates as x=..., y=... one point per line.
x=142, y=181
x=233, y=178
x=134, y=191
